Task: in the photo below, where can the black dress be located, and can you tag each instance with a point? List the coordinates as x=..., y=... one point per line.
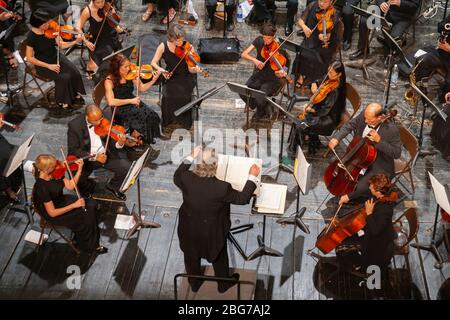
x=322, y=122
x=68, y=83
x=177, y=91
x=105, y=42
x=142, y=118
x=83, y=224
x=306, y=64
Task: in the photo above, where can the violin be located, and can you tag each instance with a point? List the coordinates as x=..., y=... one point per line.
x=61, y=168
x=102, y=130
x=146, y=72
x=321, y=93
x=110, y=13
x=4, y=8
x=341, y=228
x=341, y=176
x=9, y=124
x=325, y=24
x=272, y=54
x=192, y=58
x=66, y=32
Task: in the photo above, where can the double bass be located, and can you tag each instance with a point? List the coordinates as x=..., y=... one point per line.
x=341, y=176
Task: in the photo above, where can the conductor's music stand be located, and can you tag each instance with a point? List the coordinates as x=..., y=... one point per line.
x=16, y=161
x=131, y=177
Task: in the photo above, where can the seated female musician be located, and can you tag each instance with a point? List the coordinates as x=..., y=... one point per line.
x=66, y=210
x=42, y=53
x=180, y=79
x=306, y=67
x=264, y=78
x=323, y=116
x=375, y=245
x=119, y=92
x=104, y=37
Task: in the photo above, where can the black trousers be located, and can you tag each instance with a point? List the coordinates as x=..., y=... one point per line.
x=292, y=8
x=398, y=28
x=263, y=9
x=230, y=7
x=118, y=166
x=347, y=17
x=268, y=86
x=68, y=82
x=220, y=265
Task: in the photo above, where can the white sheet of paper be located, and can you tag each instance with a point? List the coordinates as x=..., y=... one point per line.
x=440, y=193
x=21, y=155
x=125, y=222
x=272, y=198
x=239, y=103
x=136, y=167
x=33, y=237
x=302, y=171
x=419, y=53
x=234, y=170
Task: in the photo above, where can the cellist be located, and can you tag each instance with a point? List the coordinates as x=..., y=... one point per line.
x=386, y=138
x=374, y=244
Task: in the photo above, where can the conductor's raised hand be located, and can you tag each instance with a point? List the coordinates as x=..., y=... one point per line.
x=254, y=170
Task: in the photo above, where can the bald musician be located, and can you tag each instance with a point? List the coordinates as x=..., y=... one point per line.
x=82, y=141
x=386, y=138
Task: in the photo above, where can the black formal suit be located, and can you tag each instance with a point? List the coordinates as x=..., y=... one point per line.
x=79, y=144
x=204, y=218
x=377, y=242
x=388, y=149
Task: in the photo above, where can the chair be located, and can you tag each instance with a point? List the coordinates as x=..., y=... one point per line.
x=31, y=70
x=99, y=92
x=355, y=100
x=405, y=166
x=43, y=223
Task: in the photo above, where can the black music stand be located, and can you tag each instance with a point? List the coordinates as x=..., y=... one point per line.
x=16, y=161
x=394, y=49
x=384, y=23
x=131, y=177
x=248, y=93
x=441, y=194
x=103, y=68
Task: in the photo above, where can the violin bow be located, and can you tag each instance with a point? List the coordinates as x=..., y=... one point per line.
x=110, y=128
x=342, y=165
x=71, y=177
x=59, y=39
x=102, y=26
x=139, y=71
x=181, y=59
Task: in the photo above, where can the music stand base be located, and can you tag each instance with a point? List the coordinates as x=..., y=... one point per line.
x=433, y=249
x=263, y=250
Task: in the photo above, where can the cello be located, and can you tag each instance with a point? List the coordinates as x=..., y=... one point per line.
x=341, y=228
x=341, y=176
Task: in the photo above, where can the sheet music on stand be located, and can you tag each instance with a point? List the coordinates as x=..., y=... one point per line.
x=134, y=171
x=441, y=193
x=302, y=171
x=19, y=154
x=234, y=169
x=271, y=198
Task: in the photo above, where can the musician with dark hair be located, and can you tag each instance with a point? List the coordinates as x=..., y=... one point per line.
x=264, y=78
x=374, y=244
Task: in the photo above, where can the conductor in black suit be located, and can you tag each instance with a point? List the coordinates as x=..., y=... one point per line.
x=82, y=141
x=386, y=138
x=204, y=216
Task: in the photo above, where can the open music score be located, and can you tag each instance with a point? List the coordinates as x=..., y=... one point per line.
x=272, y=198
x=234, y=169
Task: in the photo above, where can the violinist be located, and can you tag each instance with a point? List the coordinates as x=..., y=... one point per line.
x=324, y=112
x=11, y=183
x=180, y=79
x=399, y=12
x=83, y=141
x=41, y=52
x=119, y=92
x=320, y=24
x=104, y=37
x=386, y=138
x=374, y=244
x=66, y=210
x=265, y=78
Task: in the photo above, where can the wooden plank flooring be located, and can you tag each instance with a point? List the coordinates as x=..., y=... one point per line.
x=144, y=267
